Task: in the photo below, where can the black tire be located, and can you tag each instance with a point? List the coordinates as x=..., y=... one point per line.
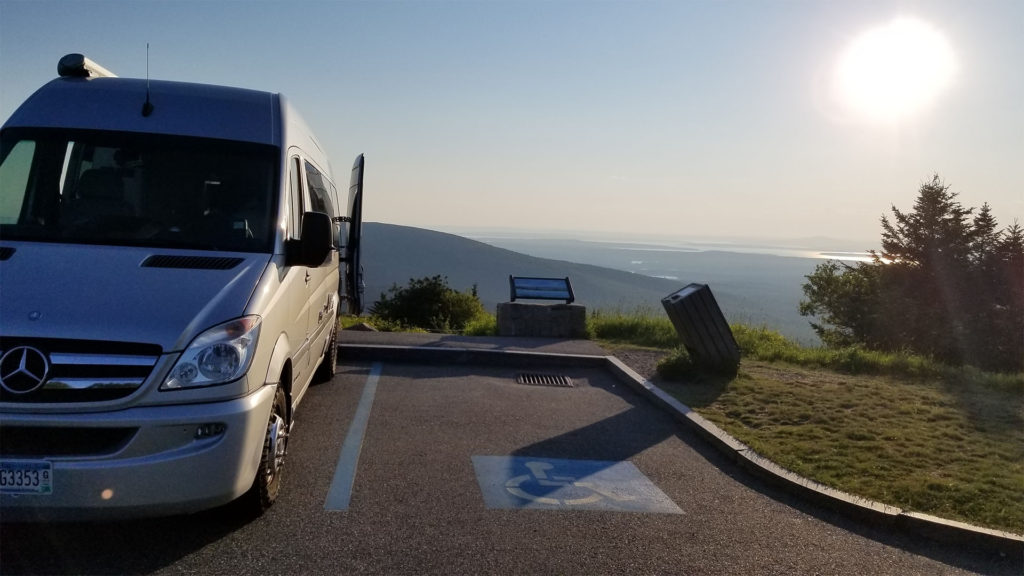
x=329, y=365
x=267, y=484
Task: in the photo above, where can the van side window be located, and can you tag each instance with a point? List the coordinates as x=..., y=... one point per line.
x=294, y=197
x=14, y=178
x=319, y=197
x=339, y=236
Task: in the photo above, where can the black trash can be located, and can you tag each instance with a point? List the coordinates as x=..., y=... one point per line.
x=702, y=327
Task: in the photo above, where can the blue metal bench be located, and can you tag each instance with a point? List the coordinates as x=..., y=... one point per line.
x=541, y=288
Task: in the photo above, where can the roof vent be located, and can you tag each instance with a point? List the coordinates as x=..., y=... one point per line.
x=78, y=66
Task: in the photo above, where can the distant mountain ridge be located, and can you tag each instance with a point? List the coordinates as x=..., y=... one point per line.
x=394, y=254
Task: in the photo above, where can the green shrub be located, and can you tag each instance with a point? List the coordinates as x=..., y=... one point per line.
x=428, y=303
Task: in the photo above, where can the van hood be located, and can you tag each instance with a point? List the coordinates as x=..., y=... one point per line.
x=123, y=294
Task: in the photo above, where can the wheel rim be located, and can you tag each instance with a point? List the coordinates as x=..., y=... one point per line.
x=278, y=444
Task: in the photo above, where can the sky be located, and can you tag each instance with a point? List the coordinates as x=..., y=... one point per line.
x=695, y=119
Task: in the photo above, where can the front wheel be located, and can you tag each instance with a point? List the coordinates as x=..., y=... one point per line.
x=267, y=484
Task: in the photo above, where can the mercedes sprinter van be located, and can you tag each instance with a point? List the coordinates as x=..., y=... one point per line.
x=173, y=258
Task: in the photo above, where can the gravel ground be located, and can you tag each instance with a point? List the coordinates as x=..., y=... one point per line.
x=642, y=360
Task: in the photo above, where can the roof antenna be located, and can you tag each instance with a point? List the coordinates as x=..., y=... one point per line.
x=147, y=106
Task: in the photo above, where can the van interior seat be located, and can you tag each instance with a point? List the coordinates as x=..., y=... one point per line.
x=100, y=193
x=233, y=214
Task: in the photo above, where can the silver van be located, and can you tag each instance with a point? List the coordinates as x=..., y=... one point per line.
x=173, y=259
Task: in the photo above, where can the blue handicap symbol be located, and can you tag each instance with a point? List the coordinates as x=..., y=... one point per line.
x=560, y=484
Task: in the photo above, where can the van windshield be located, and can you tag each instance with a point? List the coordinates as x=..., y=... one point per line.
x=137, y=189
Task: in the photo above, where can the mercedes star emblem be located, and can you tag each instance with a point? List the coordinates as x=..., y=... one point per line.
x=23, y=369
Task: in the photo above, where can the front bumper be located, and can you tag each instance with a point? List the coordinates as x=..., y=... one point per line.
x=165, y=467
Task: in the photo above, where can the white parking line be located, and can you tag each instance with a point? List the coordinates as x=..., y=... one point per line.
x=340, y=494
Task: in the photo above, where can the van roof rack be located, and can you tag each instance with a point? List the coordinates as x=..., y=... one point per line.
x=78, y=66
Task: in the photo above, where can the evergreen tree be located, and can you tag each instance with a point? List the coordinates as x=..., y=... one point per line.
x=986, y=238
x=944, y=284
x=928, y=254
x=1008, y=278
x=936, y=236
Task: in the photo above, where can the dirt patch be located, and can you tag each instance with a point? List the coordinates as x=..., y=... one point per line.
x=643, y=361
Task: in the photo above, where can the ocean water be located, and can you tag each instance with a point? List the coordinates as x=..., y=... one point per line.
x=831, y=249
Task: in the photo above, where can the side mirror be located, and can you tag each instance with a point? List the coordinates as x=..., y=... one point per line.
x=314, y=244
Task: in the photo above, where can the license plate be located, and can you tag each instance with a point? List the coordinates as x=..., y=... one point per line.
x=26, y=477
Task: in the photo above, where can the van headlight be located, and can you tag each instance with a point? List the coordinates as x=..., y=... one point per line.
x=221, y=354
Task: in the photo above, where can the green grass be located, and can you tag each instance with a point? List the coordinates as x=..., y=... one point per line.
x=640, y=328
x=770, y=346
x=483, y=324
x=933, y=446
x=893, y=427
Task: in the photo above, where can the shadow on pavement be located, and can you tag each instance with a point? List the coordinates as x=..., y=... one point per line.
x=126, y=547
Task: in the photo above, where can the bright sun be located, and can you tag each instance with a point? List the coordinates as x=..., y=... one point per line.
x=894, y=71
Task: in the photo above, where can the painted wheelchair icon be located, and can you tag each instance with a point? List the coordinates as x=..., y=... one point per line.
x=561, y=484
x=538, y=487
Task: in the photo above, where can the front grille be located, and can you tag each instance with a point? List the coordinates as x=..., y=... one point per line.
x=78, y=370
x=38, y=441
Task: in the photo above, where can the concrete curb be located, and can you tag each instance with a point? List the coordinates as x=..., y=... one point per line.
x=866, y=510
x=453, y=355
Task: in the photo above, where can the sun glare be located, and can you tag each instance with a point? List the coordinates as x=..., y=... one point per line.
x=894, y=71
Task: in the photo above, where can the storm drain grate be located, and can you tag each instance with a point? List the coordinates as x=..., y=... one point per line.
x=544, y=380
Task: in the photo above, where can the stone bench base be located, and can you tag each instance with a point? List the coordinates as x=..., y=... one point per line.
x=542, y=320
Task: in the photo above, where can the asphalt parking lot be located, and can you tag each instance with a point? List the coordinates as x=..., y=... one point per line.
x=462, y=469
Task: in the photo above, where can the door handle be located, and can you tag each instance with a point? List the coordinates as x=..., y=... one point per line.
x=308, y=277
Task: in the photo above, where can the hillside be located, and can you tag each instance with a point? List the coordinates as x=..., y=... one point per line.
x=394, y=254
